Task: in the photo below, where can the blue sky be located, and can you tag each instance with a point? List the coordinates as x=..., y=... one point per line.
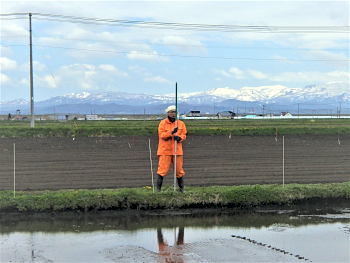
x=93, y=57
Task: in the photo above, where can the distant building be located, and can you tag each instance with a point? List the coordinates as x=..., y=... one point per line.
x=286, y=114
x=109, y=117
x=62, y=116
x=226, y=115
x=20, y=118
x=250, y=116
x=91, y=117
x=194, y=113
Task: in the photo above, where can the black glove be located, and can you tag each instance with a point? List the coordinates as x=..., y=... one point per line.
x=177, y=138
x=174, y=131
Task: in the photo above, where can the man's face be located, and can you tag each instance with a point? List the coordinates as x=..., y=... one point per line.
x=171, y=114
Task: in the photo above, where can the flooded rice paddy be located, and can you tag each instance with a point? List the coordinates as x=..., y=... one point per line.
x=179, y=236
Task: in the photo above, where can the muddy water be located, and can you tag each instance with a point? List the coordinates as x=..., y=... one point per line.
x=193, y=236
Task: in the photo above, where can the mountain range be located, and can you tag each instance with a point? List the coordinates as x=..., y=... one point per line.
x=327, y=97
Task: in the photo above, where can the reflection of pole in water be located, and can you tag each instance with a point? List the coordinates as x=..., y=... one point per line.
x=180, y=236
x=178, y=240
x=171, y=253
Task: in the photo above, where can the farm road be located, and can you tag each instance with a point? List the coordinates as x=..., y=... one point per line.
x=85, y=163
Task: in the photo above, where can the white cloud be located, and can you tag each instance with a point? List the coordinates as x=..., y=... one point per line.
x=111, y=68
x=153, y=56
x=339, y=74
x=5, y=80
x=8, y=64
x=24, y=81
x=45, y=81
x=80, y=76
x=224, y=73
x=51, y=82
x=239, y=74
x=37, y=66
x=13, y=31
x=331, y=58
x=107, y=67
x=184, y=45
x=157, y=79
x=257, y=74
x=80, y=69
x=52, y=41
x=6, y=51
x=105, y=55
x=221, y=72
x=140, y=71
x=312, y=77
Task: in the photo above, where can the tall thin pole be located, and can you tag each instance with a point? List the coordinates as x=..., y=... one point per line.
x=283, y=161
x=175, y=134
x=31, y=73
x=150, y=158
x=298, y=110
x=14, y=170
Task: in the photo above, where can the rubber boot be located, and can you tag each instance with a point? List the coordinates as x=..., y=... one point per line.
x=159, y=183
x=180, y=182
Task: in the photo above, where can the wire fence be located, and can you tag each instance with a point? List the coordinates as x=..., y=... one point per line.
x=125, y=161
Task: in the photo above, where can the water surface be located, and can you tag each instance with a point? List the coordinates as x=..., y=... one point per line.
x=262, y=236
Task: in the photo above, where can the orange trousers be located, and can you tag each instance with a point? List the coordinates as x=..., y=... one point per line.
x=164, y=165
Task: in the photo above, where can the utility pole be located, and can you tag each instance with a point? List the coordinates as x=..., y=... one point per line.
x=340, y=110
x=31, y=73
x=298, y=110
x=263, y=111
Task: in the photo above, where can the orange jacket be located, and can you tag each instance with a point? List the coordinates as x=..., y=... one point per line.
x=166, y=144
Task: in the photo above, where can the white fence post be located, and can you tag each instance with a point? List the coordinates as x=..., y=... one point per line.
x=14, y=170
x=283, y=161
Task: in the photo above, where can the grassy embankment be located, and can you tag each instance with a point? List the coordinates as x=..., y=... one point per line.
x=194, y=127
x=249, y=196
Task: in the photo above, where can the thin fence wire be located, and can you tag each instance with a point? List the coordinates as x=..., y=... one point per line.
x=85, y=163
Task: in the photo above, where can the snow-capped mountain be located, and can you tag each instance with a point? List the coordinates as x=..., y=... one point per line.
x=264, y=94
x=19, y=102
x=272, y=94
x=331, y=94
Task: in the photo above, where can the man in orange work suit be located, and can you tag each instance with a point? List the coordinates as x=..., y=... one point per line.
x=166, y=147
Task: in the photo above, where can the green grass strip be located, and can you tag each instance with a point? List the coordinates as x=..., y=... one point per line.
x=194, y=127
x=247, y=196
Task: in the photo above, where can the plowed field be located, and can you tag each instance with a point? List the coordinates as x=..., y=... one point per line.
x=114, y=162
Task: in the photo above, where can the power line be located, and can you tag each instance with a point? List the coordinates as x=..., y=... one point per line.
x=186, y=26
x=187, y=56
x=47, y=65
x=235, y=28
x=183, y=56
x=184, y=45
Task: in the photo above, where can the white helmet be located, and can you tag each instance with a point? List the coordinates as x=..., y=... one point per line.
x=172, y=107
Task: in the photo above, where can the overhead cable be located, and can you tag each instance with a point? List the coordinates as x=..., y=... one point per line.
x=187, y=26
x=188, y=56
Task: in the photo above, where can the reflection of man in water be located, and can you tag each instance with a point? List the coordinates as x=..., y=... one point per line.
x=169, y=253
